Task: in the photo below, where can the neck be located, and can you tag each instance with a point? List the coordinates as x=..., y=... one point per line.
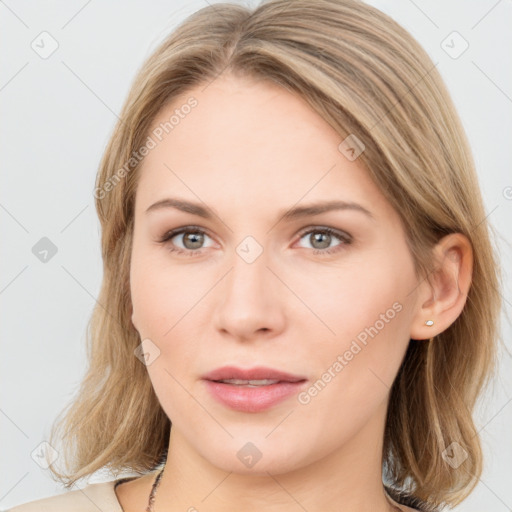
x=348, y=478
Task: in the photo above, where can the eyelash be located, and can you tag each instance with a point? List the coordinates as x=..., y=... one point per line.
x=345, y=238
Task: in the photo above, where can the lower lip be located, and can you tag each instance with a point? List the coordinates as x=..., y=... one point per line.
x=252, y=399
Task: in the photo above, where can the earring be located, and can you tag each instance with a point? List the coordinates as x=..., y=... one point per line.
x=429, y=322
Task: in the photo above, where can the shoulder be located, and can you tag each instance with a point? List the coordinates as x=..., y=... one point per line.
x=93, y=497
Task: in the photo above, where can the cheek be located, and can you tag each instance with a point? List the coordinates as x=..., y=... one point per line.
x=355, y=369
x=161, y=295
x=366, y=308
x=163, y=306
x=167, y=306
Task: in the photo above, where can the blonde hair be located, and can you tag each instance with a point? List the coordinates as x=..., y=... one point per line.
x=368, y=77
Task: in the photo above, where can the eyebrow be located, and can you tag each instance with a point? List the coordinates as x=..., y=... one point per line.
x=288, y=214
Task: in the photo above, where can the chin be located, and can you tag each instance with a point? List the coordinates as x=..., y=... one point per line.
x=257, y=456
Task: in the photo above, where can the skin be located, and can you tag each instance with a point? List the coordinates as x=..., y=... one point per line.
x=250, y=151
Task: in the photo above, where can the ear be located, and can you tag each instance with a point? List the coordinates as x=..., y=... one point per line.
x=443, y=293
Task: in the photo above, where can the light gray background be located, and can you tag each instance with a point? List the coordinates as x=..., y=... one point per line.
x=57, y=114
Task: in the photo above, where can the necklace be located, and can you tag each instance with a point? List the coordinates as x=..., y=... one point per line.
x=152, y=494
x=156, y=483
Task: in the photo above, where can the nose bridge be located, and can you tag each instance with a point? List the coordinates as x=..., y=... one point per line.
x=249, y=301
x=248, y=281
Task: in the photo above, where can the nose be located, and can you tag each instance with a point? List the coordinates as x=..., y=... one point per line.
x=250, y=300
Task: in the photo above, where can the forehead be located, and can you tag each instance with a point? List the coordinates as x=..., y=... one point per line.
x=246, y=141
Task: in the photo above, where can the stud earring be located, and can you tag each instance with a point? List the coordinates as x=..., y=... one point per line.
x=429, y=322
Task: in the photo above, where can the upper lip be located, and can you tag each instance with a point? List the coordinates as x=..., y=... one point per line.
x=257, y=373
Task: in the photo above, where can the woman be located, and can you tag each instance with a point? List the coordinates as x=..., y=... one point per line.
x=297, y=274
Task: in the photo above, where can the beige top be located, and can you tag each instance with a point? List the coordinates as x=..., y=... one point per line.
x=92, y=498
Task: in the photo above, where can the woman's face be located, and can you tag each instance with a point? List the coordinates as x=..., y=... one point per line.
x=258, y=279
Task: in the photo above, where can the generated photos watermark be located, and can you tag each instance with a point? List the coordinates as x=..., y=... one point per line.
x=342, y=360
x=157, y=135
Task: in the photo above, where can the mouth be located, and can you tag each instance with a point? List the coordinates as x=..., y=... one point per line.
x=252, y=390
x=253, y=376
x=249, y=383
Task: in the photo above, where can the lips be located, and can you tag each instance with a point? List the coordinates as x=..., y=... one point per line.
x=252, y=390
x=259, y=373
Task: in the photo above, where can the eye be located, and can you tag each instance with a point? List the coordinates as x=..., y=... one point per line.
x=188, y=240
x=321, y=238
